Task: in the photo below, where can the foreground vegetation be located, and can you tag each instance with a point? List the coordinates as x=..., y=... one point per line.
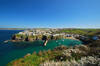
x=86, y=54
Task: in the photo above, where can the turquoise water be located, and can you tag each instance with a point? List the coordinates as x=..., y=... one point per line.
x=10, y=51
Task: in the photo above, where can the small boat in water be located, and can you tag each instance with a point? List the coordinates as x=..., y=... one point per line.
x=45, y=43
x=6, y=41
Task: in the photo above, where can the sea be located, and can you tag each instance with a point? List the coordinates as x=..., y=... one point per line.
x=13, y=50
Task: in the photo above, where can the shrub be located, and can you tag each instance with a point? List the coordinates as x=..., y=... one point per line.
x=40, y=53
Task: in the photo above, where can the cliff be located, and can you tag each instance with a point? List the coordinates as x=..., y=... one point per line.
x=19, y=37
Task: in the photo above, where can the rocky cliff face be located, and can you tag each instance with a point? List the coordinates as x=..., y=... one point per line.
x=19, y=37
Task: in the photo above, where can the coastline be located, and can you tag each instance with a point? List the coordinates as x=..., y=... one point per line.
x=63, y=55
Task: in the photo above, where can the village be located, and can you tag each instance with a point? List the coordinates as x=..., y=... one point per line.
x=54, y=32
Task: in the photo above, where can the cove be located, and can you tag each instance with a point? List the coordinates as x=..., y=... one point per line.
x=11, y=51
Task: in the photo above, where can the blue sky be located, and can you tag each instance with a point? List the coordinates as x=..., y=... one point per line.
x=50, y=13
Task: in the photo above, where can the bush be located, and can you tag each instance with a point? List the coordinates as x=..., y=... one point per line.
x=40, y=53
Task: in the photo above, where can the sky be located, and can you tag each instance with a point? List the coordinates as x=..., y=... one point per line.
x=49, y=13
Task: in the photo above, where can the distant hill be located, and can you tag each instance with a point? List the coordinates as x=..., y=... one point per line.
x=50, y=28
